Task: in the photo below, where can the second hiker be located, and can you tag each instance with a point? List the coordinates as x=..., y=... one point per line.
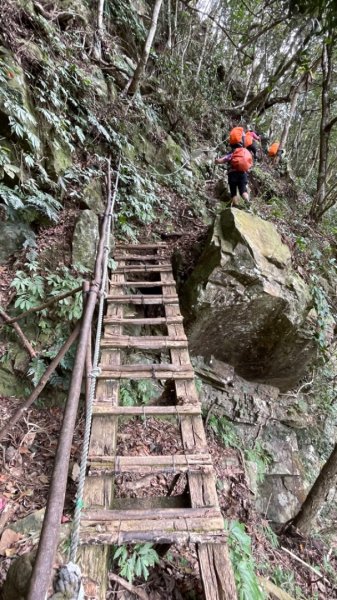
x=240, y=161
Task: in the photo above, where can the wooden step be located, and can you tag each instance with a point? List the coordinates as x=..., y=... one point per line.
x=139, y=257
x=155, y=514
x=176, y=463
x=143, y=284
x=195, y=533
x=178, y=524
x=143, y=299
x=150, y=342
x=104, y=408
x=144, y=268
x=155, y=371
x=160, y=245
x=149, y=321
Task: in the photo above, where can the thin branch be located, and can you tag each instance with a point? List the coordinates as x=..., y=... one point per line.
x=11, y=320
x=44, y=379
x=316, y=571
x=209, y=16
x=128, y=586
x=27, y=345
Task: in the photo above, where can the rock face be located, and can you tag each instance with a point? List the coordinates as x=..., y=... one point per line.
x=246, y=306
x=263, y=419
x=12, y=237
x=85, y=239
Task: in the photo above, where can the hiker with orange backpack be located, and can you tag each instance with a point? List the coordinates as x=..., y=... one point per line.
x=250, y=144
x=240, y=161
x=274, y=150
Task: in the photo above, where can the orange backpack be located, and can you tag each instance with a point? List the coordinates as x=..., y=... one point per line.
x=237, y=136
x=273, y=150
x=248, y=139
x=241, y=160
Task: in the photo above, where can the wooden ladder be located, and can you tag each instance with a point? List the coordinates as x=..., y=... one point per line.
x=144, y=277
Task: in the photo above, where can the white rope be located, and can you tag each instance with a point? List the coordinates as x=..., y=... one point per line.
x=93, y=376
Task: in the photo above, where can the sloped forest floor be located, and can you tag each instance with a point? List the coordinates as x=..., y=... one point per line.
x=27, y=457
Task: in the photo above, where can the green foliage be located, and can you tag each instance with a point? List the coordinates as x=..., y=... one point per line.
x=324, y=316
x=33, y=287
x=137, y=200
x=135, y=393
x=286, y=581
x=243, y=563
x=225, y=431
x=135, y=561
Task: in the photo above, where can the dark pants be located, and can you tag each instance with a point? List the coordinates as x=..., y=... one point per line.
x=252, y=149
x=239, y=180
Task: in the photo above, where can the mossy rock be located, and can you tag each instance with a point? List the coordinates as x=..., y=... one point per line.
x=92, y=196
x=85, y=239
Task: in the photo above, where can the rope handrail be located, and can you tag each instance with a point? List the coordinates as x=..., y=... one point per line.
x=40, y=579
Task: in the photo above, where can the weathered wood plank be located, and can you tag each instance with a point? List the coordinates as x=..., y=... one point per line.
x=158, y=245
x=125, y=257
x=109, y=529
x=179, y=538
x=165, y=267
x=143, y=284
x=154, y=371
x=153, y=514
x=131, y=463
x=149, y=321
x=216, y=572
x=143, y=299
x=152, y=342
x=103, y=408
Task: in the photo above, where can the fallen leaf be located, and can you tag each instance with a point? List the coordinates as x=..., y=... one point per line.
x=3, y=502
x=8, y=538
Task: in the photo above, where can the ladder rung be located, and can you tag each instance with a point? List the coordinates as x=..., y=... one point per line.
x=154, y=321
x=143, y=284
x=150, y=463
x=147, y=372
x=152, y=342
x=139, y=257
x=144, y=268
x=211, y=536
x=143, y=299
x=154, y=514
x=104, y=408
x=141, y=246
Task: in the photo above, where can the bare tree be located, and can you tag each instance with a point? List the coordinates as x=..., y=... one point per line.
x=134, y=83
x=317, y=495
x=97, y=50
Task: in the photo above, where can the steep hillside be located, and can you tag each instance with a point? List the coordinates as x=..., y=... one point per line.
x=256, y=283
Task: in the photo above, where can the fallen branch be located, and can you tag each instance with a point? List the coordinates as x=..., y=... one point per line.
x=19, y=333
x=128, y=586
x=44, y=379
x=11, y=320
x=316, y=571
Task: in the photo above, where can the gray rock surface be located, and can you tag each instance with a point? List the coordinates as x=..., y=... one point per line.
x=246, y=306
x=12, y=236
x=85, y=239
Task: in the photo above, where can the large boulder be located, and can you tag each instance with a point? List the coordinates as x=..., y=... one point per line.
x=246, y=306
x=85, y=239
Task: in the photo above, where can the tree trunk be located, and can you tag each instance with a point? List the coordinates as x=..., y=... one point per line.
x=99, y=31
x=293, y=105
x=139, y=72
x=324, y=132
x=317, y=495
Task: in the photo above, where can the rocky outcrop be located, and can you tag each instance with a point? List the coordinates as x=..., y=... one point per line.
x=12, y=236
x=246, y=306
x=85, y=239
x=263, y=421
